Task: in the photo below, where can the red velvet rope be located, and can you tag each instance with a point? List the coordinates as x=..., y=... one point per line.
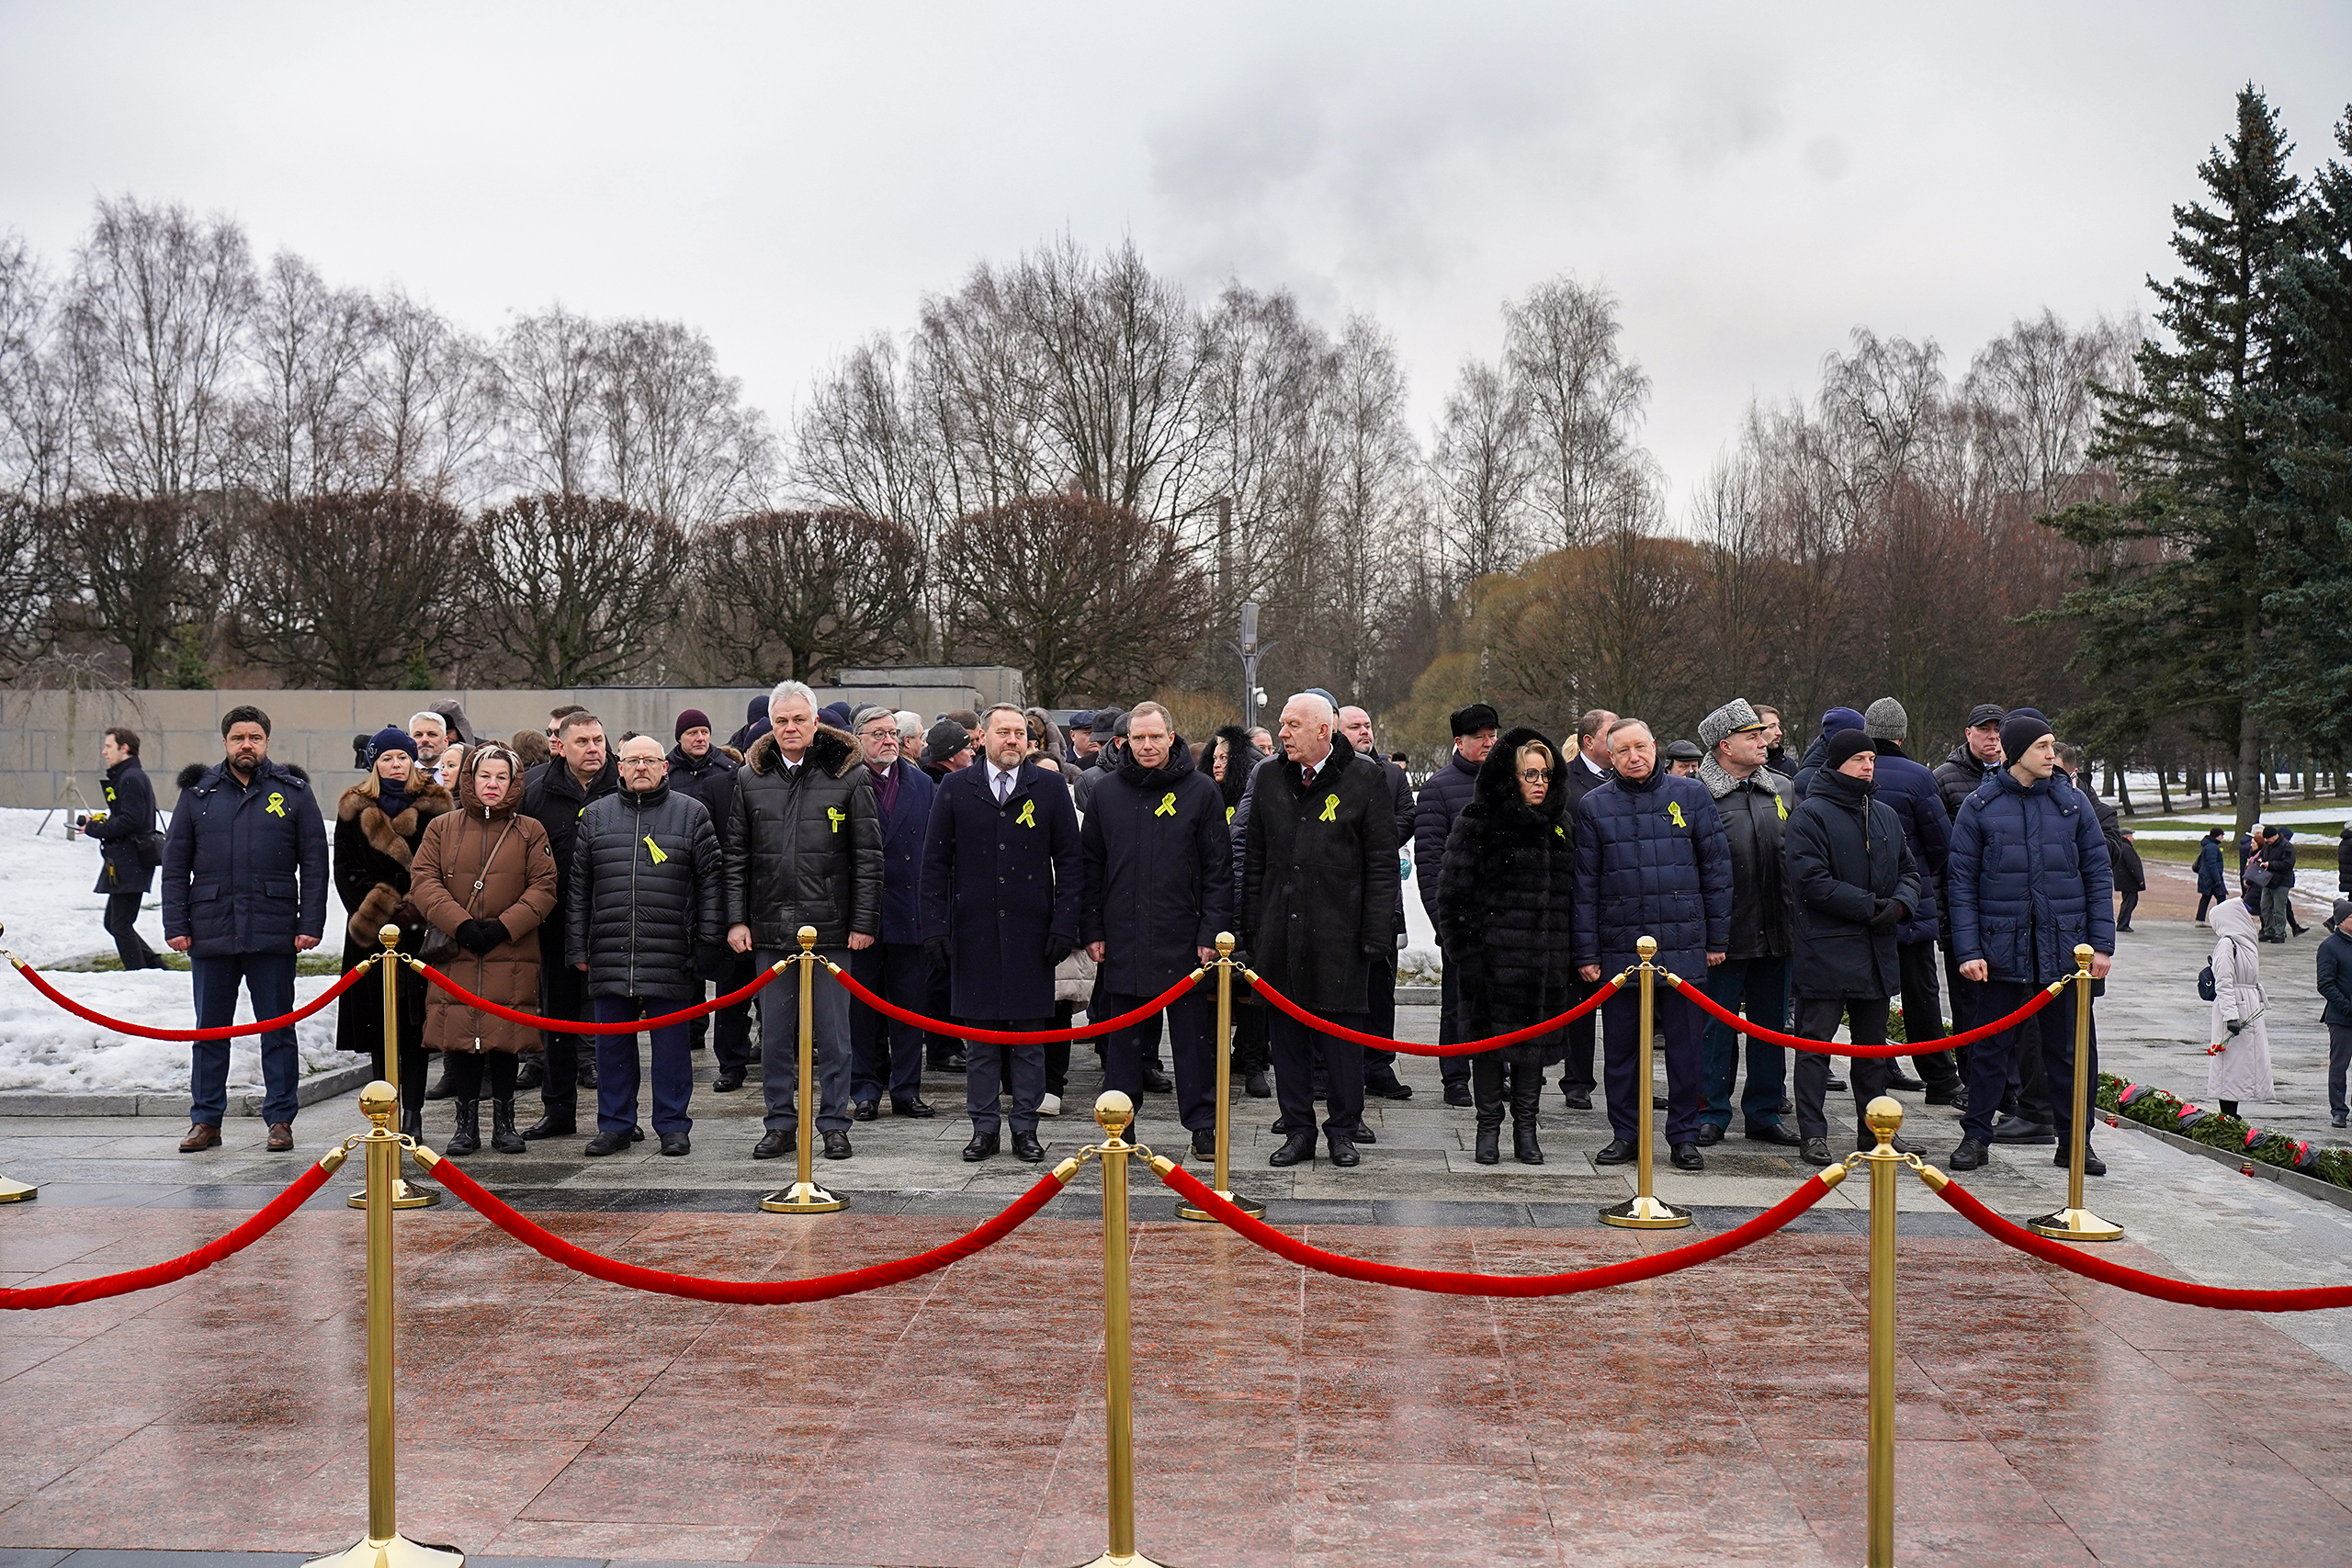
x=1015, y=1036
x=582, y=1026
x=1459, y=1048
x=739, y=1293
x=1444, y=1283
x=225, y=1032
x=1708, y=1004
x=2091, y=1265
x=77, y=1290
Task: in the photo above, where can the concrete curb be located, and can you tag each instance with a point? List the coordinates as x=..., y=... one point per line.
x=247, y=1102
x=2246, y=1165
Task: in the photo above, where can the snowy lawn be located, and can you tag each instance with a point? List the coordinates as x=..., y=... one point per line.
x=53, y=918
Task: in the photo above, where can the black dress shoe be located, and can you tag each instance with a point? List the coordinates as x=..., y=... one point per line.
x=1814, y=1151
x=1686, y=1156
x=586, y=1076
x=1296, y=1146
x=982, y=1145
x=1970, y=1155
x=441, y=1090
x=1907, y=1083
x=1204, y=1143
x=1657, y=1102
x=1157, y=1082
x=911, y=1108
x=531, y=1072
x=1490, y=1145
x=1025, y=1146
x=1577, y=1099
x=1710, y=1134
x=1619, y=1152
x=1458, y=1093
x=1343, y=1150
x=956, y=1062
x=836, y=1145
x=866, y=1109
x=1785, y=1108
x=676, y=1143
x=606, y=1143
x=1835, y=1085
x=2092, y=1164
x=1952, y=1094
x=1776, y=1134
x=729, y=1080
x=550, y=1126
x=1363, y=1134
x=773, y=1145
x=1258, y=1085
x=2018, y=1130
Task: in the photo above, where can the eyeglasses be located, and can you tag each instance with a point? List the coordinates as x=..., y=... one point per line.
x=1535, y=775
x=642, y=761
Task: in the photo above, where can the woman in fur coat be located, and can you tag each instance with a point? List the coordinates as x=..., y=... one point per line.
x=377, y=824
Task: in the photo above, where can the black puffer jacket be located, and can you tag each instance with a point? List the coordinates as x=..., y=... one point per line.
x=1958, y=776
x=805, y=845
x=1506, y=914
x=645, y=888
x=1846, y=854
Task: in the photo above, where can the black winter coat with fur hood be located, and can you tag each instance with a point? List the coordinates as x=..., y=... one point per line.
x=803, y=845
x=1505, y=903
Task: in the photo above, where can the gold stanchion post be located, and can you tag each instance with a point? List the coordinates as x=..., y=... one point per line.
x=1114, y=1112
x=1885, y=1118
x=384, y=1546
x=1645, y=1210
x=15, y=1191
x=388, y=966
x=2075, y=1222
x=1224, y=1093
x=804, y=1196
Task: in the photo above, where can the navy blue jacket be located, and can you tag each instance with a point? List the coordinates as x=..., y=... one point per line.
x=2030, y=879
x=999, y=882
x=1448, y=791
x=903, y=829
x=2335, y=979
x=1846, y=851
x=126, y=830
x=2210, y=881
x=1652, y=861
x=1909, y=790
x=244, y=865
x=1158, y=872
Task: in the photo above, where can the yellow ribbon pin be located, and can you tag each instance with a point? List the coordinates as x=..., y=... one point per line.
x=654, y=850
x=1784, y=804
x=1167, y=806
x=834, y=815
x=1558, y=831
x=1674, y=813
x=1028, y=818
x=1331, y=809
x=276, y=806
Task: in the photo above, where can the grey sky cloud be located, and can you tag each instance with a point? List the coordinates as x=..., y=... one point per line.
x=1752, y=184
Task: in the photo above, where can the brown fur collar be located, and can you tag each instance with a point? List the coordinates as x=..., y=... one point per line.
x=834, y=752
x=392, y=836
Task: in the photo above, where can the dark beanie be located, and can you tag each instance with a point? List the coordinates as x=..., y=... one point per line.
x=389, y=738
x=1473, y=718
x=2020, y=730
x=1845, y=745
x=1836, y=719
x=692, y=718
x=945, y=740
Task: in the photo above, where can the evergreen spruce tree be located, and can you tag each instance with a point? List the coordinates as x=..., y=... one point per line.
x=2180, y=615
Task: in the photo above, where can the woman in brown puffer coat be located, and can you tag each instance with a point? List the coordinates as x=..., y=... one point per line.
x=485, y=878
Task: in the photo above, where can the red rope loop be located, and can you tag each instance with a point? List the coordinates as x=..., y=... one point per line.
x=1014, y=1036
x=1698, y=998
x=2091, y=1266
x=1459, y=1048
x=1445, y=1282
x=225, y=1032
x=740, y=1292
x=73, y=1292
x=582, y=1026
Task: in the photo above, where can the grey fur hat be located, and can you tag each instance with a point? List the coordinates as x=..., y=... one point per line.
x=1729, y=719
x=1885, y=720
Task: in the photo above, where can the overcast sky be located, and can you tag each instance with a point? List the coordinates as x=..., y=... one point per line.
x=1752, y=181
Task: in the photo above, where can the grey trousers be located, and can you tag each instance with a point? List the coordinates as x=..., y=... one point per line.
x=780, y=1044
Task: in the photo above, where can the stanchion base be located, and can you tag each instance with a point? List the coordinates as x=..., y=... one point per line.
x=803, y=1198
x=1646, y=1215
x=2074, y=1224
x=1113, y=1560
x=1249, y=1206
x=17, y=1192
x=403, y=1197
x=398, y=1552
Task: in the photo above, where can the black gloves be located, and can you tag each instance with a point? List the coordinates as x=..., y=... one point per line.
x=2235, y=1025
x=1886, y=913
x=481, y=936
x=1058, y=947
x=936, y=949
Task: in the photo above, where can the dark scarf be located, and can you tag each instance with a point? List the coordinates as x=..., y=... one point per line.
x=886, y=787
x=390, y=798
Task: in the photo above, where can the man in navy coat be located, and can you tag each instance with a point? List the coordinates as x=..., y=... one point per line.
x=126, y=830
x=1002, y=878
x=886, y=1055
x=244, y=890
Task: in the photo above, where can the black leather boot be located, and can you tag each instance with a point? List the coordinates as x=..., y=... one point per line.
x=1526, y=1100
x=441, y=1090
x=466, y=1137
x=503, y=1135
x=1490, y=1143
x=412, y=1120
x=1523, y=1146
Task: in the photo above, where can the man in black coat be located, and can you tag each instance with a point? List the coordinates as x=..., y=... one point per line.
x=2335, y=973
x=128, y=851
x=1961, y=773
x=1158, y=889
x=1856, y=884
x=1380, y=1081
x=701, y=770
x=1448, y=790
x=1754, y=803
x=1910, y=791
x=1585, y=771
x=244, y=891
x=580, y=771
x=645, y=896
x=1318, y=904
x=804, y=848
x=1002, y=878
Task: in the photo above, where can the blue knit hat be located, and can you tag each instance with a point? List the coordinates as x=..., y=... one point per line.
x=1836, y=719
x=389, y=738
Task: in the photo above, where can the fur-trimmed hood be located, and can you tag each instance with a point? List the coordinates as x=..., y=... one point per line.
x=1497, y=795
x=1242, y=761
x=832, y=751
x=196, y=774
x=1721, y=784
x=391, y=836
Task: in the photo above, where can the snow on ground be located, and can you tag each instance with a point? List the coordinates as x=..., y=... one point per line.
x=45, y=898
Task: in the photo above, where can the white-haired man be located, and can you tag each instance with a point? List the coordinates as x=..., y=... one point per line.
x=431, y=733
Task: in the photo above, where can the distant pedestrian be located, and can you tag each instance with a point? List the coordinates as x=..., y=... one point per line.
x=2211, y=885
x=2130, y=877
x=2278, y=893
x=130, y=847
x=2238, y=1062
x=2335, y=990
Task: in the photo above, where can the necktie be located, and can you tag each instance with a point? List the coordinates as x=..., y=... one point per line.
x=1003, y=787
